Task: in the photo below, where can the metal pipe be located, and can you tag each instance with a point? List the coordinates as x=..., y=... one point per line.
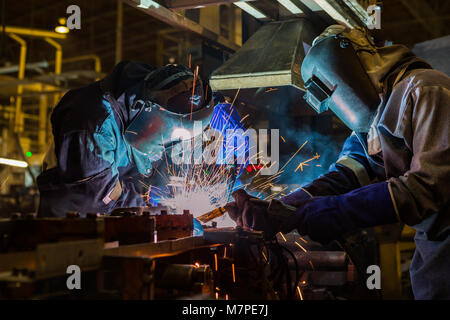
x=18, y=124
x=33, y=32
x=58, y=55
x=29, y=66
x=96, y=58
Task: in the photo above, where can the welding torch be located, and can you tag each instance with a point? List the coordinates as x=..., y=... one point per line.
x=274, y=207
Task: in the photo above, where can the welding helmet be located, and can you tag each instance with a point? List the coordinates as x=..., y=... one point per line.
x=174, y=100
x=335, y=77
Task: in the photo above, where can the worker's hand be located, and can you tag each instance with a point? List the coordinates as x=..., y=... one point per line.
x=252, y=213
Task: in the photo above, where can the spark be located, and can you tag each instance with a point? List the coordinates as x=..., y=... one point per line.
x=299, y=293
x=294, y=155
x=245, y=117
x=264, y=255
x=282, y=235
x=271, y=89
x=234, y=274
x=311, y=264
x=193, y=90
x=215, y=261
x=298, y=244
x=304, y=163
x=301, y=238
x=283, y=139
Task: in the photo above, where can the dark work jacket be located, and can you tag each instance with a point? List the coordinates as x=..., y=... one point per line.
x=90, y=167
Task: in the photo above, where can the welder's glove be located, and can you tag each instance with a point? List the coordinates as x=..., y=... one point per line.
x=252, y=213
x=331, y=217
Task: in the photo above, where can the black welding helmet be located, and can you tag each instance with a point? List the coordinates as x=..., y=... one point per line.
x=336, y=79
x=175, y=100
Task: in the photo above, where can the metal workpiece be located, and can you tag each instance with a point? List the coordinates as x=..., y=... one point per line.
x=272, y=57
x=197, y=278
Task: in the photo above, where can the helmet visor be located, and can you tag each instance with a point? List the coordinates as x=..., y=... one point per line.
x=317, y=94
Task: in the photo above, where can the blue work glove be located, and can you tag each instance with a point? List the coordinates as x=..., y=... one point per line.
x=329, y=218
x=255, y=214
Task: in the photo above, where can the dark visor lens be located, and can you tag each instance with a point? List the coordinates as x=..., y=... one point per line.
x=187, y=101
x=317, y=94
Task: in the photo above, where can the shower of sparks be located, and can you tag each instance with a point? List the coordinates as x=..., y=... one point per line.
x=203, y=187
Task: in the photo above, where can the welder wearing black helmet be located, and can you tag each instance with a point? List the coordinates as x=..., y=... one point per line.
x=394, y=167
x=109, y=135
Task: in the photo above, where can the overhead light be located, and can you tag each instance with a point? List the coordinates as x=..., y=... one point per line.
x=250, y=10
x=14, y=163
x=290, y=6
x=61, y=27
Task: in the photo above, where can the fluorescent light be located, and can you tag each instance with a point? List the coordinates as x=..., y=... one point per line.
x=290, y=6
x=332, y=12
x=312, y=5
x=14, y=163
x=146, y=4
x=250, y=10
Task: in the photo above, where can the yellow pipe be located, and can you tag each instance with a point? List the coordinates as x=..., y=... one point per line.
x=18, y=125
x=33, y=32
x=96, y=58
x=58, y=56
x=58, y=62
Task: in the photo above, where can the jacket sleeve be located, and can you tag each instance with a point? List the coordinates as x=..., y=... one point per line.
x=88, y=165
x=351, y=171
x=424, y=189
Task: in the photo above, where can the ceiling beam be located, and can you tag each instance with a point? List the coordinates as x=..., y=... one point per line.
x=192, y=4
x=179, y=21
x=423, y=13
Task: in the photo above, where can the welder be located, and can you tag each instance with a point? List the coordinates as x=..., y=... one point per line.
x=394, y=167
x=109, y=136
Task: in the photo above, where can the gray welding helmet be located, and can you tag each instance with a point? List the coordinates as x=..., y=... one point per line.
x=175, y=101
x=336, y=79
